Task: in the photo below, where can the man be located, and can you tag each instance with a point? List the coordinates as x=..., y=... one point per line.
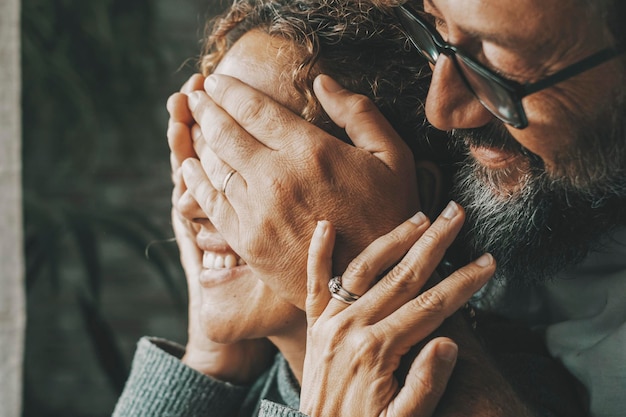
x=535, y=92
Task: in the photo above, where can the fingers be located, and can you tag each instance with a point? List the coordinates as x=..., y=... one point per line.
x=190, y=254
x=427, y=379
x=180, y=143
x=218, y=172
x=178, y=133
x=423, y=314
x=177, y=179
x=178, y=129
x=378, y=257
x=264, y=119
x=212, y=202
x=319, y=270
x=408, y=277
x=178, y=109
x=392, y=307
x=365, y=125
x=195, y=82
x=189, y=209
x=224, y=135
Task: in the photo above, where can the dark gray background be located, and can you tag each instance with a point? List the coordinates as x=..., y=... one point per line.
x=96, y=180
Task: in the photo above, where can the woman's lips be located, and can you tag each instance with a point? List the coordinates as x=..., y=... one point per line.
x=220, y=263
x=217, y=254
x=219, y=268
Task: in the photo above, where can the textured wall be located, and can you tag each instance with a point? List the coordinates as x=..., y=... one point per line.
x=11, y=258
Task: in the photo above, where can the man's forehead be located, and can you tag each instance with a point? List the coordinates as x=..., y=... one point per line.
x=524, y=24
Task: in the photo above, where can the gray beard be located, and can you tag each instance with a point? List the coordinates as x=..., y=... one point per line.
x=547, y=224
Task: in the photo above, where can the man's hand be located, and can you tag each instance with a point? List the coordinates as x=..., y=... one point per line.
x=289, y=174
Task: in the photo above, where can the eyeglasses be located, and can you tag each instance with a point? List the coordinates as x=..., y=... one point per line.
x=501, y=96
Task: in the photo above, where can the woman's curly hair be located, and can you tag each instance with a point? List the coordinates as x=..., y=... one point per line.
x=357, y=43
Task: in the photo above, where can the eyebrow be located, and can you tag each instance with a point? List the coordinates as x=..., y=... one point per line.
x=502, y=39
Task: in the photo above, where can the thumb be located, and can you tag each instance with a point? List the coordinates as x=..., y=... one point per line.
x=358, y=115
x=427, y=379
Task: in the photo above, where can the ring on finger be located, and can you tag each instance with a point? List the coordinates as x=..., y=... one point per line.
x=226, y=179
x=340, y=293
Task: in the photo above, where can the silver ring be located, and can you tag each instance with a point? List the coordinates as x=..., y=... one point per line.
x=226, y=179
x=340, y=293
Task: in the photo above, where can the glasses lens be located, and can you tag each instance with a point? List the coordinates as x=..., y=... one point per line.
x=419, y=35
x=496, y=98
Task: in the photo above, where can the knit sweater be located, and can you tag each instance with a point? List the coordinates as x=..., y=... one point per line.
x=161, y=385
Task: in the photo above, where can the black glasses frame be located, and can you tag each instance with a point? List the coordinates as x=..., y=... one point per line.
x=515, y=90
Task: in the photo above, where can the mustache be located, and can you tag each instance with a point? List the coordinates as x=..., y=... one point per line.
x=494, y=135
x=491, y=135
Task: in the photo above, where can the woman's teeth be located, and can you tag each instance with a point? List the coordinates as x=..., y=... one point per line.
x=213, y=261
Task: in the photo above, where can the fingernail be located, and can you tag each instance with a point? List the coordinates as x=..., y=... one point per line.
x=320, y=229
x=447, y=351
x=209, y=84
x=418, y=218
x=450, y=211
x=193, y=99
x=484, y=260
x=329, y=84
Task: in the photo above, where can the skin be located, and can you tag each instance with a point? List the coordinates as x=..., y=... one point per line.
x=431, y=368
x=237, y=308
x=241, y=362
x=524, y=51
x=383, y=325
x=552, y=35
x=235, y=305
x=230, y=308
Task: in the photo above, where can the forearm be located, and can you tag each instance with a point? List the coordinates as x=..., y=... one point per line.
x=160, y=384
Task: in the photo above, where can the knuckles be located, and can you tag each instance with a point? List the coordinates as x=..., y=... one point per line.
x=361, y=104
x=251, y=111
x=466, y=282
x=402, y=276
x=431, y=239
x=431, y=301
x=359, y=269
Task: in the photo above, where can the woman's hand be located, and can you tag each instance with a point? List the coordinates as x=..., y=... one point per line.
x=353, y=351
x=238, y=363
x=289, y=173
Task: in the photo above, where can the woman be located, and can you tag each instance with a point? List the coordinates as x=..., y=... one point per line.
x=279, y=47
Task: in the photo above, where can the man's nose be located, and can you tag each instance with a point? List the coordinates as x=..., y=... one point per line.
x=450, y=104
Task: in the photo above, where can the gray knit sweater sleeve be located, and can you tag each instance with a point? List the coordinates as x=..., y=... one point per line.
x=271, y=409
x=161, y=385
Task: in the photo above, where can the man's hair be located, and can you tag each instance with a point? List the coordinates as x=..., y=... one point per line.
x=613, y=12
x=360, y=45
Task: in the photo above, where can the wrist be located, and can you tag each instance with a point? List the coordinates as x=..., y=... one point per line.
x=210, y=366
x=240, y=363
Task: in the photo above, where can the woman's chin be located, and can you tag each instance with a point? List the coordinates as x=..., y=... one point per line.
x=222, y=327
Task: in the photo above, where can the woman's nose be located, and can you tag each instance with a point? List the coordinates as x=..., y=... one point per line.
x=190, y=209
x=450, y=104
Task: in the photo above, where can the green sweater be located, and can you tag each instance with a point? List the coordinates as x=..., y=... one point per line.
x=161, y=385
